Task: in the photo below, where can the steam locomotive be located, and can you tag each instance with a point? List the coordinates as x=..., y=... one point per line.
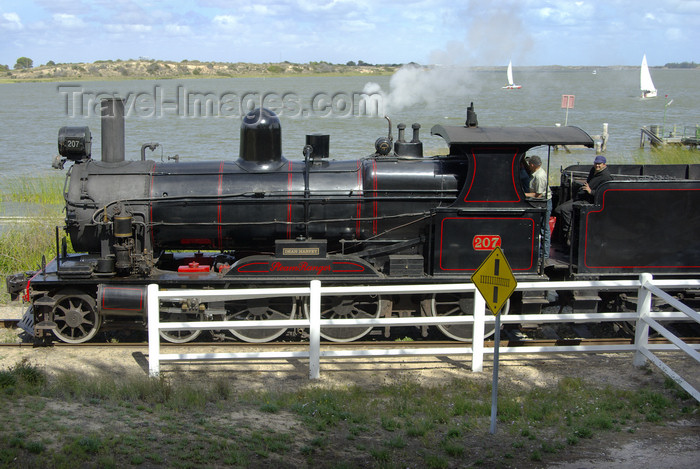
x=393, y=217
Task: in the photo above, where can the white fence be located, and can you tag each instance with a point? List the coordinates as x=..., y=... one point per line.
x=644, y=318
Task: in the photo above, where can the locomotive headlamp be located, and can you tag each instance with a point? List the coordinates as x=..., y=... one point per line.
x=75, y=143
x=383, y=146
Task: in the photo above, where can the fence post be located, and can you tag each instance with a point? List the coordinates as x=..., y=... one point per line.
x=315, y=329
x=641, y=330
x=153, y=310
x=478, y=332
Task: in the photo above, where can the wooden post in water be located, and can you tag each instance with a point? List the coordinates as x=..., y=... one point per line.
x=601, y=143
x=604, y=145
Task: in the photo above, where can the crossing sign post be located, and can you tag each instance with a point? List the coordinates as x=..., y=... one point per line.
x=495, y=281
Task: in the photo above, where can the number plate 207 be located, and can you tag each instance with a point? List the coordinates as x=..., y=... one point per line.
x=486, y=242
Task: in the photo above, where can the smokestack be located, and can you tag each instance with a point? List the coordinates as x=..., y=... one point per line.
x=112, y=112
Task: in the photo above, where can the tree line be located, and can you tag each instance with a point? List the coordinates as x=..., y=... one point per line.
x=681, y=65
x=25, y=63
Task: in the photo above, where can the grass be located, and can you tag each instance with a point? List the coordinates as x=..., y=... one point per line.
x=108, y=421
x=22, y=247
x=46, y=190
x=22, y=244
x=670, y=154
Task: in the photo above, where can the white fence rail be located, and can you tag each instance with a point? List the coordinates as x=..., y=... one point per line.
x=644, y=318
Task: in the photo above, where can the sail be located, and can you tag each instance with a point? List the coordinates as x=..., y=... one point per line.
x=510, y=85
x=510, y=73
x=646, y=85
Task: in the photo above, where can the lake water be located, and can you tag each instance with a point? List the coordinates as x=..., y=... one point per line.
x=168, y=111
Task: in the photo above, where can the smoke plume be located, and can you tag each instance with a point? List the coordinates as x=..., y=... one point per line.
x=494, y=34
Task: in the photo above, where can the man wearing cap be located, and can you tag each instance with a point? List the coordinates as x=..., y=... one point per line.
x=598, y=174
x=539, y=188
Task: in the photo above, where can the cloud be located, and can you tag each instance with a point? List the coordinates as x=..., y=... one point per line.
x=11, y=21
x=560, y=17
x=226, y=22
x=530, y=32
x=67, y=21
x=313, y=6
x=565, y=13
x=356, y=26
x=128, y=28
x=262, y=10
x=178, y=30
x=674, y=34
x=77, y=7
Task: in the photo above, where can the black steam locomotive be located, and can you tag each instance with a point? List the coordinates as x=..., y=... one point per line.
x=393, y=217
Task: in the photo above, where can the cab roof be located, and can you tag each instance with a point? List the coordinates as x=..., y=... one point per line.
x=512, y=136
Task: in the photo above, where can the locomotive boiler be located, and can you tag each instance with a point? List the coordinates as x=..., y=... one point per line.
x=395, y=216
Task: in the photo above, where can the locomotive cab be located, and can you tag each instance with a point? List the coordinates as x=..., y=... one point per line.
x=492, y=207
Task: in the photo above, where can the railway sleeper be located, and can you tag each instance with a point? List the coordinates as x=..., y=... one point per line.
x=585, y=301
x=630, y=302
x=532, y=301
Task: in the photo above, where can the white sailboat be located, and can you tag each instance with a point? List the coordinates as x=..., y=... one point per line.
x=647, y=86
x=510, y=85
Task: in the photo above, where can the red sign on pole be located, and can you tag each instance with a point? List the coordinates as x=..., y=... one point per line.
x=567, y=101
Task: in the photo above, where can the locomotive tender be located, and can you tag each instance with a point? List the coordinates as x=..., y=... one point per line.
x=395, y=216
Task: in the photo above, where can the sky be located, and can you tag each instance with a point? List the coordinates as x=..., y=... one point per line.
x=446, y=32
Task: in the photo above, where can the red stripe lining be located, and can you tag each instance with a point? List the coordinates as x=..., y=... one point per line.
x=289, y=201
x=150, y=205
x=375, y=204
x=359, y=200
x=219, y=208
x=602, y=208
x=442, y=230
x=515, y=190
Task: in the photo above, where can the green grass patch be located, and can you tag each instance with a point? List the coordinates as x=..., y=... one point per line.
x=72, y=419
x=419, y=427
x=47, y=190
x=670, y=154
x=23, y=245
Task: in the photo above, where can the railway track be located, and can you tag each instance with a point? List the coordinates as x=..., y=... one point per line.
x=364, y=344
x=509, y=338
x=359, y=345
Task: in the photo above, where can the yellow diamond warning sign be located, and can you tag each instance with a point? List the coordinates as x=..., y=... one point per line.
x=495, y=280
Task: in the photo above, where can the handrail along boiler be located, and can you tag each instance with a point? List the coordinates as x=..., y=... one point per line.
x=395, y=216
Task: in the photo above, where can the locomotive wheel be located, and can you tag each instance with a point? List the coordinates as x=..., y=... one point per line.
x=76, y=317
x=258, y=309
x=181, y=336
x=459, y=304
x=346, y=307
